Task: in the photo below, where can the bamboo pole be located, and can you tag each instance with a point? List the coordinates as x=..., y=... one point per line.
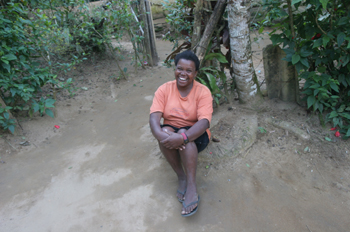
x=152, y=34
x=147, y=40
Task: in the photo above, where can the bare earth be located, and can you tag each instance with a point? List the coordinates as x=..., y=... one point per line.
x=102, y=170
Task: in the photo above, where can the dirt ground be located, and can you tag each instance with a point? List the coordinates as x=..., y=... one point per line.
x=102, y=169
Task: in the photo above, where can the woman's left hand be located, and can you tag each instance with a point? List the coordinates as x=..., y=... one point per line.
x=174, y=141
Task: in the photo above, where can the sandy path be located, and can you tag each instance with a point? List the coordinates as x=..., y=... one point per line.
x=104, y=172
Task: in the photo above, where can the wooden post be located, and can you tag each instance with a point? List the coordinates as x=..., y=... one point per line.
x=197, y=25
x=147, y=39
x=152, y=34
x=209, y=29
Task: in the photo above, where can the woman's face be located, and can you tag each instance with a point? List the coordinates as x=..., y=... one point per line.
x=185, y=73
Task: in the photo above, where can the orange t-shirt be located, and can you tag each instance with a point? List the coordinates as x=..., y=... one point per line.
x=183, y=111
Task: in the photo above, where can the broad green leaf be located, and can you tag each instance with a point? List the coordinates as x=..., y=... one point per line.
x=217, y=101
x=334, y=86
x=343, y=20
x=203, y=82
x=324, y=3
x=295, y=59
x=315, y=86
x=341, y=108
x=326, y=39
x=345, y=115
x=9, y=56
x=317, y=43
x=348, y=133
x=6, y=115
x=305, y=62
x=221, y=58
x=296, y=1
x=212, y=82
x=36, y=107
x=12, y=129
x=344, y=60
x=6, y=66
x=49, y=102
x=320, y=107
x=261, y=29
x=276, y=39
x=340, y=38
x=49, y=112
x=333, y=114
x=310, y=101
x=304, y=52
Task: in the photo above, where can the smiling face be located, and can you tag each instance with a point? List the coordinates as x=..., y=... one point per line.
x=185, y=73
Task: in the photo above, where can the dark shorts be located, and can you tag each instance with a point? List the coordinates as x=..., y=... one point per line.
x=201, y=142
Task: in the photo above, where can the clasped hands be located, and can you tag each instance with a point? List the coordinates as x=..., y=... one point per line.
x=173, y=141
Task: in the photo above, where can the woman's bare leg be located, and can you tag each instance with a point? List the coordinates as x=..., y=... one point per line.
x=189, y=158
x=173, y=158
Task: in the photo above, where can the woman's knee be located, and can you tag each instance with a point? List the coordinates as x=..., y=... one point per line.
x=182, y=130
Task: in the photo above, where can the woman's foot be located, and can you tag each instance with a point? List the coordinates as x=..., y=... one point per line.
x=190, y=201
x=192, y=208
x=181, y=191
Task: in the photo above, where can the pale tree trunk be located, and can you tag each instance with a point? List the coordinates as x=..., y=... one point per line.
x=240, y=45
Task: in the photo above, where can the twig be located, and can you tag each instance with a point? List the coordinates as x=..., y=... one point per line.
x=10, y=144
x=255, y=15
x=308, y=228
x=320, y=173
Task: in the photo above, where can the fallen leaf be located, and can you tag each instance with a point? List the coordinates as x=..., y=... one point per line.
x=248, y=165
x=207, y=166
x=328, y=139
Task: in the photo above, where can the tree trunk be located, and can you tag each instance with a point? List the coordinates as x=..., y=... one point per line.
x=240, y=46
x=197, y=25
x=147, y=40
x=209, y=29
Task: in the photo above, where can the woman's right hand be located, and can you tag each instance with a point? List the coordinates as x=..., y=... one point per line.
x=174, y=141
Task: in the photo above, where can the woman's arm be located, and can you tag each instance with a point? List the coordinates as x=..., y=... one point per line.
x=154, y=122
x=197, y=129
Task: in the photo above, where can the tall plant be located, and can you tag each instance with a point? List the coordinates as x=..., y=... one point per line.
x=320, y=51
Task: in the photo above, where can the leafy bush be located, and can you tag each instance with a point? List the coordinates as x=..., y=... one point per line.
x=40, y=40
x=180, y=20
x=320, y=51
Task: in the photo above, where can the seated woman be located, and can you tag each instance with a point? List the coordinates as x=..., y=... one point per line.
x=186, y=106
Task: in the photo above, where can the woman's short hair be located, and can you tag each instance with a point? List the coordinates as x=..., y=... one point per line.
x=187, y=55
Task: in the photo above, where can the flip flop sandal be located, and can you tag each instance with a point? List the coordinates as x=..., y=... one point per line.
x=183, y=194
x=194, y=210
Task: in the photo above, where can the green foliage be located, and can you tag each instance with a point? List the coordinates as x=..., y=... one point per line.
x=212, y=77
x=5, y=121
x=40, y=40
x=180, y=19
x=320, y=51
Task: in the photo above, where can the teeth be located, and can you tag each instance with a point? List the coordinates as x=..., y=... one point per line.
x=182, y=79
